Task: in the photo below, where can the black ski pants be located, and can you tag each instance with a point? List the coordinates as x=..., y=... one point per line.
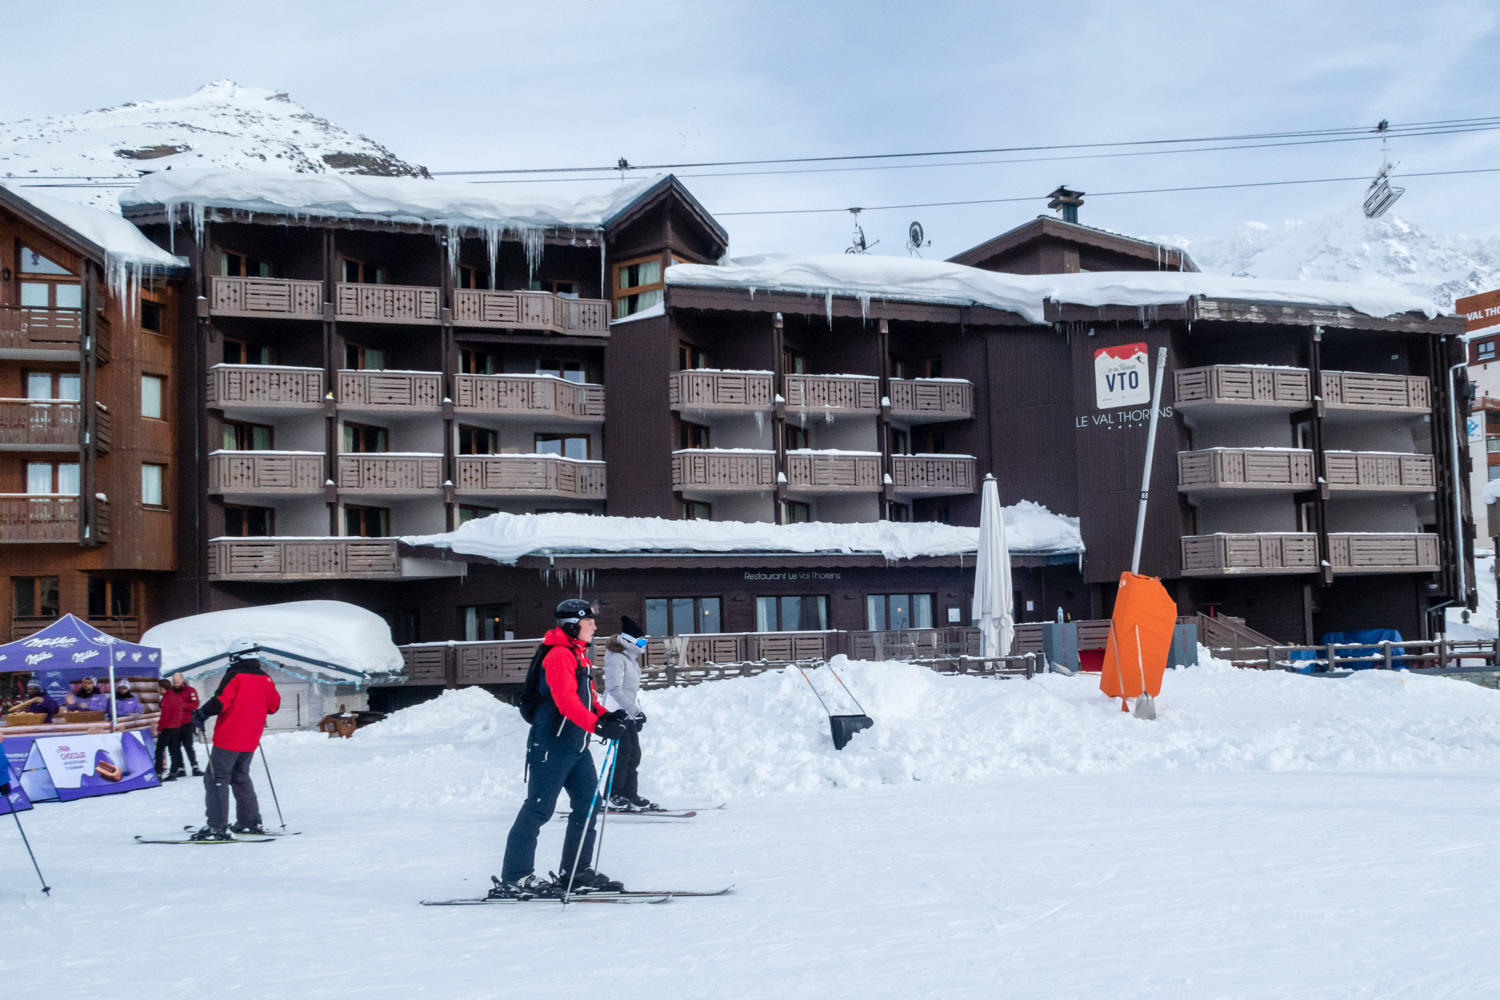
x=175, y=740
x=230, y=770
x=626, y=781
x=555, y=763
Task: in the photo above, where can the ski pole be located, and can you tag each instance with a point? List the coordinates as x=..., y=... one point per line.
x=589, y=818
x=46, y=889
x=273, y=787
x=609, y=789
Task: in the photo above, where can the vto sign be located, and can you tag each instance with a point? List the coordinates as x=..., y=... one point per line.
x=1121, y=376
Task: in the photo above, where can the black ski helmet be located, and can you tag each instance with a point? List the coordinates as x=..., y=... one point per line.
x=572, y=611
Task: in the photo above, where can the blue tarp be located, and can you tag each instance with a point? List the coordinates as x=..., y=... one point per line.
x=1375, y=635
x=70, y=649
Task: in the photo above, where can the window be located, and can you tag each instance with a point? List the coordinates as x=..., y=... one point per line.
x=150, y=316
x=238, y=265
x=899, y=367
x=151, y=396
x=562, y=289
x=36, y=597
x=52, y=289
x=1494, y=472
x=109, y=598
x=240, y=436
x=944, y=514
x=795, y=512
x=151, y=484
x=475, y=362
x=933, y=367
x=938, y=441
x=477, y=441
x=366, y=522
x=358, y=357
x=249, y=522
x=240, y=352
x=689, y=357
x=471, y=277
x=53, y=385
x=566, y=445
x=638, y=286
x=1486, y=350
x=357, y=272
x=898, y=611
x=697, y=510
x=794, y=436
x=791, y=614
x=692, y=435
x=45, y=478
x=467, y=513
x=32, y=262
x=570, y=370
x=403, y=624
x=1492, y=445
x=900, y=442
x=364, y=438
x=682, y=615
x=793, y=362
x=900, y=512
x=488, y=622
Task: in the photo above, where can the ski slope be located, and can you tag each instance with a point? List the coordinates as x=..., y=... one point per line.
x=1270, y=835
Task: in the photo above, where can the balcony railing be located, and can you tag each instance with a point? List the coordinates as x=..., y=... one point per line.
x=1244, y=470
x=390, y=390
x=280, y=559
x=712, y=389
x=530, y=311
x=544, y=396
x=270, y=387
x=283, y=297
x=280, y=473
x=1379, y=472
x=934, y=475
x=832, y=471
x=1376, y=393
x=929, y=400
x=387, y=303
x=390, y=473
x=39, y=424
x=710, y=470
x=530, y=475
x=1242, y=385
x=46, y=518
x=1270, y=554
x=1356, y=552
x=31, y=330
x=833, y=393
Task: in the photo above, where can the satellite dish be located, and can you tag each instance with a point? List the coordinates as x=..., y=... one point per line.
x=914, y=233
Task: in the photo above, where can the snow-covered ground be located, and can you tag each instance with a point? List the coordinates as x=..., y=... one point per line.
x=1270, y=835
x=1481, y=623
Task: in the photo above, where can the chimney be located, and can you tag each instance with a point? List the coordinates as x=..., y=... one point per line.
x=1065, y=202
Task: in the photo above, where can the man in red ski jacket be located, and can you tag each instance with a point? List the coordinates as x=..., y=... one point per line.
x=243, y=700
x=175, y=730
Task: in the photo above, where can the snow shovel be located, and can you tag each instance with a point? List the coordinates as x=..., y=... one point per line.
x=841, y=727
x=1145, y=705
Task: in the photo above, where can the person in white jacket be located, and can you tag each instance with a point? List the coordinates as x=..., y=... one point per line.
x=622, y=685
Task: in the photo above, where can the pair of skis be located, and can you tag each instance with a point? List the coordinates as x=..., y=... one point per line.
x=269, y=836
x=659, y=896
x=653, y=813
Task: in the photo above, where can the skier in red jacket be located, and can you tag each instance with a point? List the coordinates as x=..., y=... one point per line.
x=243, y=700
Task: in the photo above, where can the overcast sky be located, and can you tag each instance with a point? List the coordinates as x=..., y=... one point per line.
x=475, y=85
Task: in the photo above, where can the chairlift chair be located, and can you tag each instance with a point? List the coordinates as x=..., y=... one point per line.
x=1382, y=195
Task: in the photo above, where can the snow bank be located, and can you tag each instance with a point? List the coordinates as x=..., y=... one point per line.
x=1031, y=529
x=333, y=631
x=867, y=277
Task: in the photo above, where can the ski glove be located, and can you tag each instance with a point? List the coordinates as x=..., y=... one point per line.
x=613, y=725
x=198, y=718
x=640, y=722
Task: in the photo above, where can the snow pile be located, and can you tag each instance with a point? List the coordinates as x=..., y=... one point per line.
x=332, y=631
x=867, y=277
x=1031, y=529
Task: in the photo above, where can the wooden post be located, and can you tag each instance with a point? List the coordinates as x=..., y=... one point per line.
x=1332, y=655
x=1386, y=648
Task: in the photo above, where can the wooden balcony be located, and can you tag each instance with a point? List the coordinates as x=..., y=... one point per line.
x=1355, y=472
x=710, y=389
x=1234, y=387
x=40, y=425
x=1355, y=552
x=833, y=393
x=282, y=559
x=387, y=303
x=711, y=470
x=477, y=307
x=275, y=473
x=536, y=396
x=1368, y=393
x=391, y=390
x=931, y=400
x=270, y=297
x=46, y=518
x=390, y=473
x=810, y=471
x=38, y=334
x=264, y=387
x=1244, y=470
x=1249, y=554
x=530, y=476
x=934, y=475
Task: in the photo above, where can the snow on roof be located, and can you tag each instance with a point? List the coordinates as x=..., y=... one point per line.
x=118, y=239
x=868, y=276
x=1031, y=529
x=332, y=631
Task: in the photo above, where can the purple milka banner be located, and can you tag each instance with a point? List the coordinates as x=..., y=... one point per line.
x=78, y=766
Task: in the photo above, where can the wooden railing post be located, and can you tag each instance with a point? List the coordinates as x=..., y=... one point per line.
x=1386, y=646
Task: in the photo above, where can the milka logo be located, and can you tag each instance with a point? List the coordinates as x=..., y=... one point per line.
x=87, y=654
x=102, y=640
x=34, y=658
x=60, y=640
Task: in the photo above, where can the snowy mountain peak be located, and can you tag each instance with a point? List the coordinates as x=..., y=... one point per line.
x=221, y=125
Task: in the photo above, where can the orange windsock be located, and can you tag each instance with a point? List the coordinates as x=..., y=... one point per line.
x=1142, y=608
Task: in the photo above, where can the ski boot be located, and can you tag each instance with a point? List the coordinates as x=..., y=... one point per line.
x=526, y=887
x=587, y=881
x=621, y=804
x=175, y=773
x=643, y=804
x=249, y=829
x=211, y=833
x=166, y=776
x=197, y=771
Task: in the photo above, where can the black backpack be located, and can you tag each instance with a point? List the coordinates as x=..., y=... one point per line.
x=534, y=693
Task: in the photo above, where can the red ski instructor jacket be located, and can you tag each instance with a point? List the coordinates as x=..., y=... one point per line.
x=243, y=701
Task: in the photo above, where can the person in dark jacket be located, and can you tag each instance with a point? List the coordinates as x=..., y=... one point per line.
x=174, y=733
x=126, y=703
x=242, y=702
x=38, y=701
x=558, y=758
x=88, y=698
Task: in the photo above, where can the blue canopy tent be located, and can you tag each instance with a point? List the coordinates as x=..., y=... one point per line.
x=70, y=649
